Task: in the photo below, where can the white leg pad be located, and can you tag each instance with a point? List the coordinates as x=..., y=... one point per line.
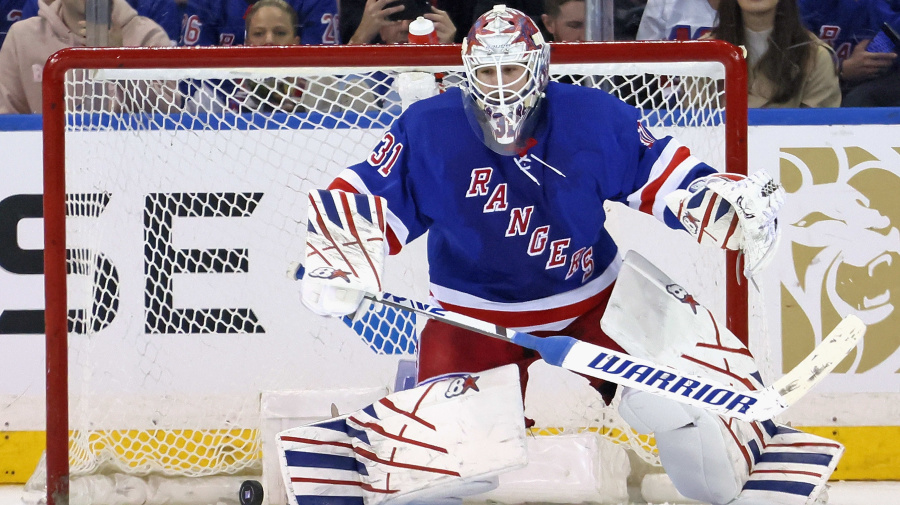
x=700, y=461
x=694, y=447
x=456, y=493
x=792, y=469
x=445, y=439
x=642, y=410
x=720, y=461
x=707, y=457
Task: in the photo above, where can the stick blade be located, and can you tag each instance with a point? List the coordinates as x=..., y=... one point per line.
x=833, y=349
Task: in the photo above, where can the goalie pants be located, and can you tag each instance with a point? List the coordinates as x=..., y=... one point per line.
x=446, y=349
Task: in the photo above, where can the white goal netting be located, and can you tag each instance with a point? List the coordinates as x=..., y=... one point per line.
x=185, y=203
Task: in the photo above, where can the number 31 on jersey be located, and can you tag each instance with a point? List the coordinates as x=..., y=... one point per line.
x=385, y=154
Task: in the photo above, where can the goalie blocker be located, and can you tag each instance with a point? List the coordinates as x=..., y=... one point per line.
x=345, y=249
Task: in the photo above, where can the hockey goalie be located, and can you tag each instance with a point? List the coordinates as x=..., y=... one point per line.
x=508, y=175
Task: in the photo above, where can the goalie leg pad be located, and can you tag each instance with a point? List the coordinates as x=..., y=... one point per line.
x=792, y=468
x=694, y=446
x=648, y=413
x=709, y=458
x=721, y=461
x=444, y=439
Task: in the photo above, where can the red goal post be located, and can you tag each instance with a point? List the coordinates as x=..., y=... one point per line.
x=68, y=77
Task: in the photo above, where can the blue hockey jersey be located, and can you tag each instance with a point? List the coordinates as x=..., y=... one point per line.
x=185, y=23
x=843, y=23
x=520, y=240
x=11, y=11
x=221, y=22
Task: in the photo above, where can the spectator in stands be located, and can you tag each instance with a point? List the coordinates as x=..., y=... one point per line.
x=787, y=65
x=58, y=25
x=221, y=22
x=271, y=23
x=186, y=22
x=371, y=23
x=316, y=20
x=173, y=16
x=564, y=19
x=868, y=79
x=677, y=19
x=10, y=12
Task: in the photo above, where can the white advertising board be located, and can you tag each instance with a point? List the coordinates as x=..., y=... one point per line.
x=839, y=255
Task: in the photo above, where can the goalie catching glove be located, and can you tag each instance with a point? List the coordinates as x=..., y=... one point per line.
x=733, y=212
x=345, y=250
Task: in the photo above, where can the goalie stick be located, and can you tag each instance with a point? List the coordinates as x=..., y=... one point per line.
x=645, y=375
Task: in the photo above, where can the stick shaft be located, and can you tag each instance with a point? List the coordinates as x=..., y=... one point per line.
x=596, y=361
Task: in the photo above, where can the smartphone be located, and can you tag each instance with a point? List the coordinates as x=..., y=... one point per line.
x=885, y=41
x=414, y=9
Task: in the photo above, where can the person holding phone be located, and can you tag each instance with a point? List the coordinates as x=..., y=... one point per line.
x=387, y=21
x=787, y=66
x=868, y=78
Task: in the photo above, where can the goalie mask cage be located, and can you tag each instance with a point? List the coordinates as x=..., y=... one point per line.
x=175, y=186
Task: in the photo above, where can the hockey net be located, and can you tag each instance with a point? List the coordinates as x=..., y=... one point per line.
x=175, y=188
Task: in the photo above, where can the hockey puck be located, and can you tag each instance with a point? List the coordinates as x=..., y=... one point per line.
x=251, y=493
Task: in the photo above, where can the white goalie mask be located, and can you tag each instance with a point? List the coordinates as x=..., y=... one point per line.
x=507, y=70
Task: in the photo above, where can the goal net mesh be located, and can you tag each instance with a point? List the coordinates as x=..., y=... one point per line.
x=186, y=216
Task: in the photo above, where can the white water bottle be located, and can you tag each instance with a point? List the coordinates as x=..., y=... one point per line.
x=421, y=31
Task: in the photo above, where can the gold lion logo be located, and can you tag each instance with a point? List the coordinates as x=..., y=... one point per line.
x=844, y=245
